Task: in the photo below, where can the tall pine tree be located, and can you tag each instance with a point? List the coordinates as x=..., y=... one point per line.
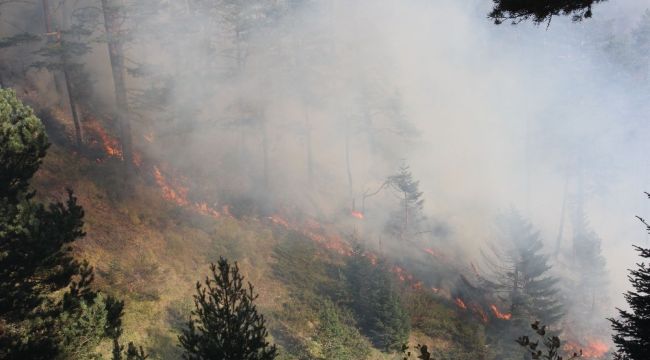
x=518, y=272
x=586, y=281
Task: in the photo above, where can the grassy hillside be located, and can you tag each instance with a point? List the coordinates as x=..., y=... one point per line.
x=150, y=251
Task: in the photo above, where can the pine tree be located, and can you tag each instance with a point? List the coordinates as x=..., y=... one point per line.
x=376, y=301
x=225, y=323
x=518, y=272
x=519, y=269
x=339, y=340
x=632, y=327
x=587, y=281
x=406, y=221
x=47, y=308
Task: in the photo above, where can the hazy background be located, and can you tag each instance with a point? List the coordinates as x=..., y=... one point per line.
x=488, y=117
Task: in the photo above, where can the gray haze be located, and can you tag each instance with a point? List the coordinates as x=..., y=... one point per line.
x=489, y=118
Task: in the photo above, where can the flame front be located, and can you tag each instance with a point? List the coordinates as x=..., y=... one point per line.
x=178, y=195
x=594, y=349
x=499, y=314
x=110, y=144
x=357, y=214
x=460, y=303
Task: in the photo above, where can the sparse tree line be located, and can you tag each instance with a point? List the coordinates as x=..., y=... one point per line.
x=50, y=309
x=211, y=49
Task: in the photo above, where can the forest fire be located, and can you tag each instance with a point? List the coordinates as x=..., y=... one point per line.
x=402, y=274
x=594, y=349
x=316, y=232
x=498, y=314
x=357, y=214
x=110, y=145
x=460, y=303
x=178, y=195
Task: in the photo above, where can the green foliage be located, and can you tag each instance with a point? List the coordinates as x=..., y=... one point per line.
x=83, y=329
x=518, y=269
x=632, y=327
x=551, y=344
x=518, y=272
x=18, y=39
x=376, y=301
x=225, y=323
x=540, y=11
x=338, y=340
x=421, y=352
x=23, y=144
x=47, y=308
x=439, y=321
x=302, y=265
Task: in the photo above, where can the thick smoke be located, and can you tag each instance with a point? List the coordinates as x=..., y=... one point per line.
x=316, y=102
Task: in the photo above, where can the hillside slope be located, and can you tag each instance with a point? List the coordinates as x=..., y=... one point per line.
x=149, y=245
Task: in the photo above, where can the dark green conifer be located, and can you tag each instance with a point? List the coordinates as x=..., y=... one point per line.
x=632, y=327
x=47, y=308
x=376, y=301
x=225, y=323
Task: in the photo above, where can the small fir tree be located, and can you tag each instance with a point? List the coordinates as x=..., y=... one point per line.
x=225, y=323
x=376, y=302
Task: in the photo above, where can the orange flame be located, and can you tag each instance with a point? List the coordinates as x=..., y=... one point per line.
x=357, y=214
x=276, y=219
x=110, y=144
x=137, y=159
x=594, y=349
x=316, y=232
x=499, y=314
x=430, y=252
x=178, y=195
x=461, y=304
x=401, y=274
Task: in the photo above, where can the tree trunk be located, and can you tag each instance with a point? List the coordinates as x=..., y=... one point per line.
x=347, y=158
x=72, y=101
x=73, y=108
x=310, y=163
x=66, y=75
x=406, y=214
x=560, y=231
x=112, y=22
x=47, y=21
x=265, y=149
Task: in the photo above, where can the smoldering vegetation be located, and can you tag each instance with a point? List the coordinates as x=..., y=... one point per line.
x=412, y=124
